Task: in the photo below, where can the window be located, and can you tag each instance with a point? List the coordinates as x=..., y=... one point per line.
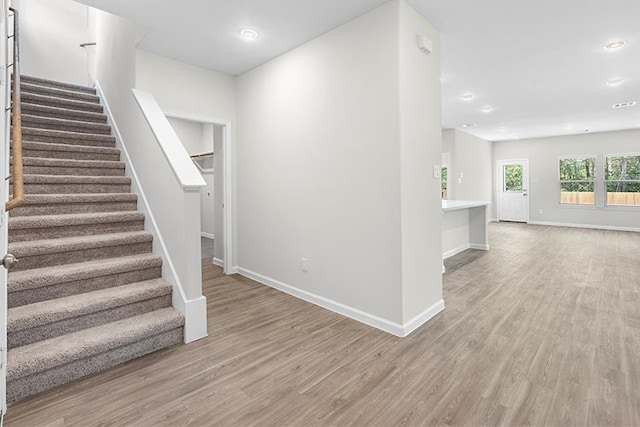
x=577, y=180
x=444, y=177
x=622, y=179
x=512, y=178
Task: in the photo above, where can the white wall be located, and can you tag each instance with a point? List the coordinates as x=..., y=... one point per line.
x=190, y=134
x=544, y=189
x=420, y=147
x=471, y=169
x=50, y=35
x=320, y=149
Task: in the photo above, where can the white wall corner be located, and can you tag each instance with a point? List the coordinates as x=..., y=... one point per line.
x=422, y=318
x=195, y=319
x=345, y=310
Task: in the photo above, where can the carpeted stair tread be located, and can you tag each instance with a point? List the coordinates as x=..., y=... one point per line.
x=53, y=275
x=72, y=163
x=66, y=125
x=72, y=179
x=54, y=204
x=51, y=101
x=75, y=184
x=45, y=312
x=53, y=83
x=73, y=167
x=64, y=137
x=54, y=352
x=24, y=228
x=58, y=92
x=62, y=113
x=68, y=244
x=68, y=151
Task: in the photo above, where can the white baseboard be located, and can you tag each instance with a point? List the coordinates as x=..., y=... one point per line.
x=422, y=318
x=218, y=262
x=345, y=310
x=207, y=235
x=479, y=246
x=456, y=251
x=590, y=226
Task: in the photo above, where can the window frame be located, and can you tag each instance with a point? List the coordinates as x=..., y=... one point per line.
x=597, y=166
x=607, y=181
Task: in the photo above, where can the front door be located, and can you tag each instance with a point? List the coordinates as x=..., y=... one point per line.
x=513, y=195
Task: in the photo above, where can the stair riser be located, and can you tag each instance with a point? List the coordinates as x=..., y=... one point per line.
x=69, y=208
x=19, y=388
x=58, y=93
x=86, y=141
x=31, y=335
x=48, y=112
x=54, y=84
x=92, y=128
x=75, y=155
x=75, y=188
x=73, y=230
x=52, y=170
x=74, y=256
x=65, y=289
x=61, y=103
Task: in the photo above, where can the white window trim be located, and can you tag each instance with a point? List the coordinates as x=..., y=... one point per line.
x=599, y=163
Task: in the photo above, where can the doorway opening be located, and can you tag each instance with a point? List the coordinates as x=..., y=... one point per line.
x=207, y=140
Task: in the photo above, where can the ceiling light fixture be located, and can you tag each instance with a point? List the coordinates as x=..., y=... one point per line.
x=467, y=97
x=469, y=125
x=614, y=45
x=583, y=131
x=624, y=104
x=517, y=136
x=614, y=82
x=487, y=109
x=248, y=34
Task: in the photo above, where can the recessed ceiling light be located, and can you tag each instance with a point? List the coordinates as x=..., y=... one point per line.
x=469, y=125
x=487, y=109
x=624, y=104
x=614, y=45
x=517, y=136
x=502, y=129
x=583, y=131
x=614, y=82
x=248, y=34
x=467, y=97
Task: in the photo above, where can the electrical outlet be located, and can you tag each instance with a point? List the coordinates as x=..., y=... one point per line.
x=541, y=212
x=304, y=264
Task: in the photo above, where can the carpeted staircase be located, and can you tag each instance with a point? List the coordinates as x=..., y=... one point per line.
x=87, y=292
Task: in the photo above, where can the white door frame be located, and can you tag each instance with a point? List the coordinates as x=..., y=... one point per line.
x=499, y=181
x=227, y=196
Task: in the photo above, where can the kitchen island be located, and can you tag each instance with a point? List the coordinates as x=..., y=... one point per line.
x=464, y=226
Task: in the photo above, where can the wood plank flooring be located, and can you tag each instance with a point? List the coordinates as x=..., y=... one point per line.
x=544, y=329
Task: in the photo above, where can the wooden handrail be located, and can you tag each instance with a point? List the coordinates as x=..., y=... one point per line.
x=17, y=198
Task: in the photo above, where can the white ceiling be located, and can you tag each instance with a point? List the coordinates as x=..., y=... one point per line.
x=539, y=64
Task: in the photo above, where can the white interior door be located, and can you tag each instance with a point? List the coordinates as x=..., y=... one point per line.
x=513, y=194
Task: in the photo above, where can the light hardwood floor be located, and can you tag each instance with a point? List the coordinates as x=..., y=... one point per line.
x=544, y=329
